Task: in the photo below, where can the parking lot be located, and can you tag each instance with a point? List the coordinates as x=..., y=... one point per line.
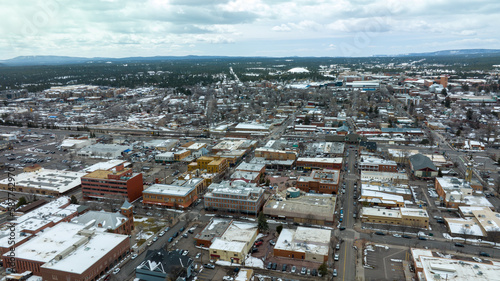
x=386, y=262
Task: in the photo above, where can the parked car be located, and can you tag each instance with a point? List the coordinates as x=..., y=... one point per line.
x=275, y=265
x=459, y=245
x=269, y=265
x=314, y=272
x=422, y=238
x=155, y=239
x=170, y=239
x=185, y=253
x=379, y=233
x=258, y=243
x=334, y=272
x=336, y=257
x=342, y=228
x=406, y=236
x=161, y=233
x=303, y=271
x=208, y=265
x=198, y=256
x=283, y=267
x=134, y=256
x=294, y=268
x=337, y=247
x=272, y=242
x=396, y=235
x=176, y=234
x=116, y=270
x=484, y=254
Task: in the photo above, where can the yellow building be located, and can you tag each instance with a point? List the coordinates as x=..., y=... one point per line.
x=179, y=155
x=217, y=166
x=235, y=243
x=412, y=217
x=274, y=154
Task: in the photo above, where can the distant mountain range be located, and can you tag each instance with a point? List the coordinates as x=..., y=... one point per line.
x=61, y=60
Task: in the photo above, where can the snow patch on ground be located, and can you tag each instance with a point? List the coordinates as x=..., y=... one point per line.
x=254, y=262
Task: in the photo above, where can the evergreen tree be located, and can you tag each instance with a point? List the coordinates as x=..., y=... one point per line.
x=262, y=222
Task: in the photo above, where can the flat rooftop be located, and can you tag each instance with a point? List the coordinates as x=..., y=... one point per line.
x=105, y=165
x=435, y=268
x=52, y=180
x=336, y=160
x=81, y=258
x=304, y=239
x=215, y=228
x=167, y=189
x=378, y=212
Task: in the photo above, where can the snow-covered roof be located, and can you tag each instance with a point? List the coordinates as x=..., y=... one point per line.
x=305, y=240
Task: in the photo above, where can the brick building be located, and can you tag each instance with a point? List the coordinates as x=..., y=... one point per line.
x=118, y=181
x=320, y=181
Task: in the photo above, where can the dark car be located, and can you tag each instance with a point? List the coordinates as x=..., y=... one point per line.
x=254, y=250
x=440, y=221
x=484, y=254
x=459, y=245
x=275, y=265
x=406, y=236
x=379, y=233
x=269, y=265
x=182, y=229
x=176, y=234
x=314, y=272
x=170, y=239
x=283, y=267
x=422, y=238
x=342, y=228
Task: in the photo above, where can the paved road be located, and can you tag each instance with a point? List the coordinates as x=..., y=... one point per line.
x=346, y=266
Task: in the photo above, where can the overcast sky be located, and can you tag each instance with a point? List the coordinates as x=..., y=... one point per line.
x=122, y=28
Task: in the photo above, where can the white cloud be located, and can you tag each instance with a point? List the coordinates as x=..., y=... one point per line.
x=151, y=27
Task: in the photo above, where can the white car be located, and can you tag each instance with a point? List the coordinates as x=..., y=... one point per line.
x=185, y=253
x=336, y=257
x=134, y=256
x=397, y=235
x=116, y=270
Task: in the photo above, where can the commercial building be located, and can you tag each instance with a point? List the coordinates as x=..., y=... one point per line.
x=275, y=154
x=452, y=191
x=45, y=182
x=214, y=229
x=230, y=145
x=36, y=220
x=172, y=195
x=305, y=243
x=330, y=149
x=412, y=217
x=320, y=181
x=119, y=182
x=431, y=267
x=380, y=199
x=317, y=209
x=476, y=221
x=119, y=223
x=235, y=196
x=108, y=165
x=249, y=172
x=70, y=251
x=379, y=178
x=422, y=167
x=100, y=150
x=377, y=164
x=161, y=145
x=160, y=265
x=319, y=163
x=399, y=190
x=234, y=245
x=215, y=165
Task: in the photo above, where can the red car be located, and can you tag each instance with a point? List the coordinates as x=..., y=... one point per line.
x=258, y=243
